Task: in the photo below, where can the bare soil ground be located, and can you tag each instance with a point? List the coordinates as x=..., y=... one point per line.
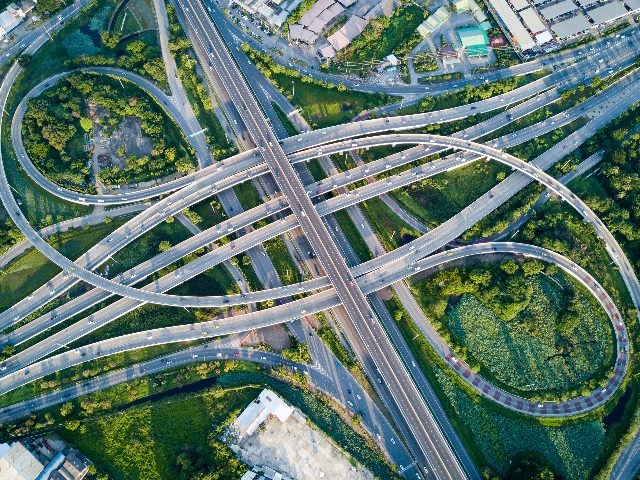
x=299, y=451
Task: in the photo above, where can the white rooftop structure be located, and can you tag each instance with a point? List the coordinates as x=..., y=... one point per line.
x=18, y=463
x=298, y=32
x=8, y=21
x=327, y=51
x=513, y=24
x=392, y=59
x=267, y=403
x=572, y=26
x=519, y=4
x=532, y=21
x=544, y=37
x=558, y=9
x=608, y=12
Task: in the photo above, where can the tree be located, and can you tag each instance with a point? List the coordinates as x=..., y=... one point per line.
x=66, y=408
x=24, y=60
x=532, y=267
x=86, y=124
x=184, y=165
x=509, y=266
x=110, y=39
x=164, y=246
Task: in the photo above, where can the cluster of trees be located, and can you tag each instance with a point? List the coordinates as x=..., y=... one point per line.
x=9, y=234
x=218, y=462
x=620, y=175
x=505, y=289
x=51, y=121
x=138, y=56
x=59, y=115
x=297, y=352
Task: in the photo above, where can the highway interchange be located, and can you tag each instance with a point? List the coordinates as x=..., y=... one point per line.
x=272, y=154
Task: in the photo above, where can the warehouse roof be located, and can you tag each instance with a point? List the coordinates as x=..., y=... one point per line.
x=572, y=26
x=350, y=30
x=532, y=21
x=633, y=4
x=513, y=24
x=543, y=37
x=474, y=41
x=607, y=12
x=558, y=9
x=519, y=4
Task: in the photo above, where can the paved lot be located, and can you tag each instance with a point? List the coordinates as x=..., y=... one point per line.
x=297, y=449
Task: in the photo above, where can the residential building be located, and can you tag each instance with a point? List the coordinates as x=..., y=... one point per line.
x=434, y=21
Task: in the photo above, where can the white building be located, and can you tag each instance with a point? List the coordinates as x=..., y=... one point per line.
x=12, y=16
x=18, y=463
x=267, y=403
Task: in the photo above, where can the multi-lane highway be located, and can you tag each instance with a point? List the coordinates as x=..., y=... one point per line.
x=366, y=335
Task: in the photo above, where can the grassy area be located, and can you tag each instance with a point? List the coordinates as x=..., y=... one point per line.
x=282, y=261
x=32, y=269
x=147, y=246
x=353, y=237
x=321, y=106
x=390, y=228
x=536, y=335
x=247, y=195
x=437, y=199
x=156, y=433
x=330, y=338
x=284, y=119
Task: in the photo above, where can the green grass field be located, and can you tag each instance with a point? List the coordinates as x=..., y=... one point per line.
x=282, y=261
x=391, y=230
x=323, y=107
x=353, y=236
x=437, y=199
x=142, y=443
x=522, y=360
x=32, y=269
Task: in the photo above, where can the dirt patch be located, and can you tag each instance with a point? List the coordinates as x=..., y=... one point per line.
x=299, y=451
x=129, y=135
x=276, y=337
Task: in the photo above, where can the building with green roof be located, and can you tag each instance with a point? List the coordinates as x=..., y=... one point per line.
x=475, y=41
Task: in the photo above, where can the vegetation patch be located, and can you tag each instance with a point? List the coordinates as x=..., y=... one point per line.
x=499, y=439
x=532, y=332
x=384, y=35
x=323, y=104
x=93, y=115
